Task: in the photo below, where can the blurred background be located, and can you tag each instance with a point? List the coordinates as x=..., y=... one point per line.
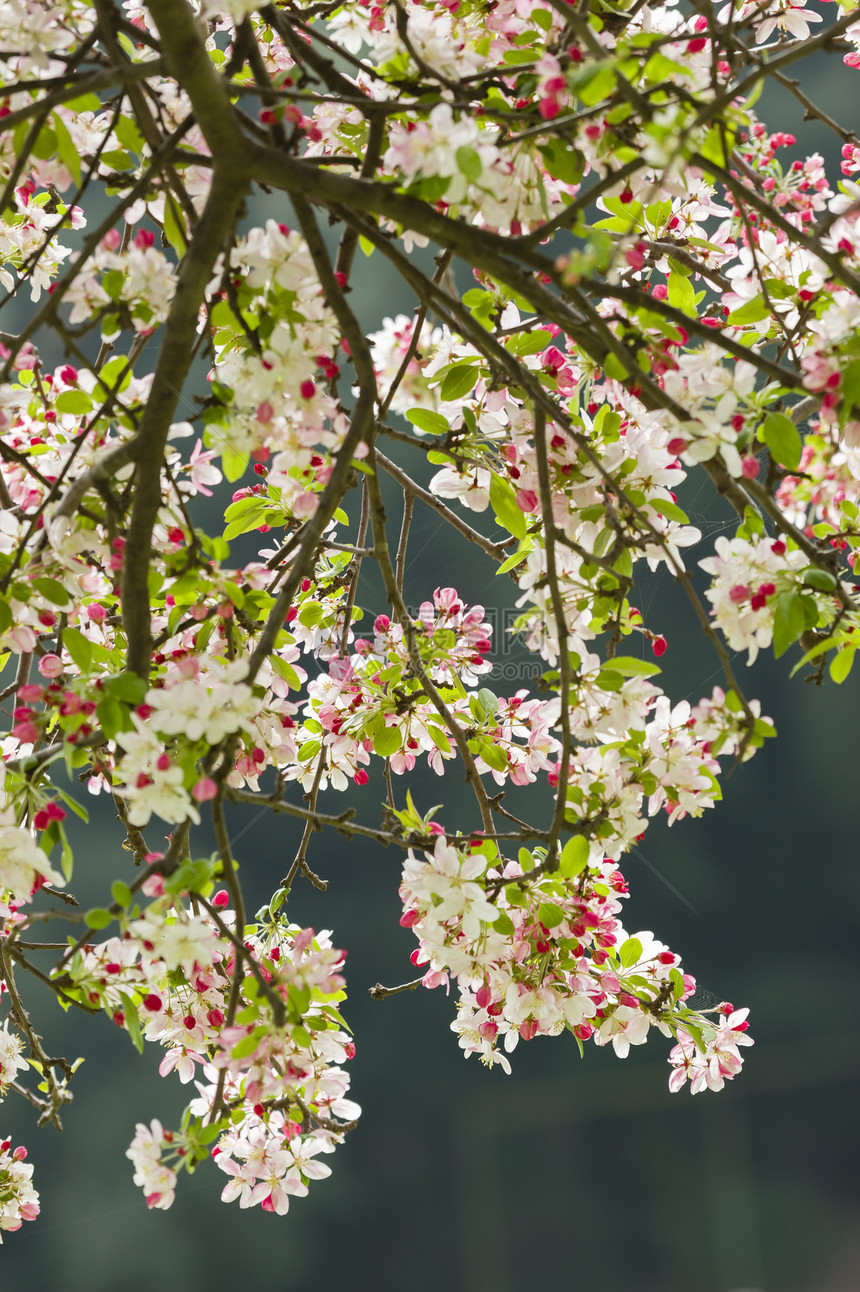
x=583, y=1172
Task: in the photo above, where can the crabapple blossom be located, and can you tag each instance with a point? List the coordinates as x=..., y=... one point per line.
x=626, y=288
x=19, y=1201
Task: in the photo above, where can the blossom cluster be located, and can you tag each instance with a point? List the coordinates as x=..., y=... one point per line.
x=259, y=1035
x=19, y=1201
x=537, y=949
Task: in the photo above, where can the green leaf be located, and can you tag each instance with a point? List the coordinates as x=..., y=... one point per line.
x=122, y=894
x=595, y=82
x=117, y=159
x=503, y=501
x=516, y=559
x=469, y=163
x=79, y=811
x=504, y=924
x=630, y=952
x=233, y=464
x=818, y=649
x=850, y=387
x=614, y=368
x=789, y=622
x=79, y=648
x=514, y=895
x=574, y=856
x=550, y=915
x=752, y=312
x=439, y=738
x=717, y=142
x=98, y=917
x=840, y=665
x=174, y=225
x=671, y=510
x=235, y=593
x=681, y=293
x=629, y=666
x=128, y=135
x=67, y=858
x=386, y=740
x=252, y=518
x=246, y=1047
x=310, y=614
x=52, y=590
x=286, y=671
x=821, y=580
x=84, y=103
x=73, y=401
x=783, y=439
x=115, y=370
x=527, y=343
x=425, y=419
x=493, y=755
x=132, y=1022
x=185, y=591
x=606, y=423
x=459, y=381
x=488, y=700
x=562, y=161
x=125, y=686
x=66, y=150
x=113, y=717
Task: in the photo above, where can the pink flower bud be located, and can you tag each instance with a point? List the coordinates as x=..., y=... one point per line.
x=659, y=645
x=205, y=789
x=27, y=732
x=50, y=666
x=305, y=505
